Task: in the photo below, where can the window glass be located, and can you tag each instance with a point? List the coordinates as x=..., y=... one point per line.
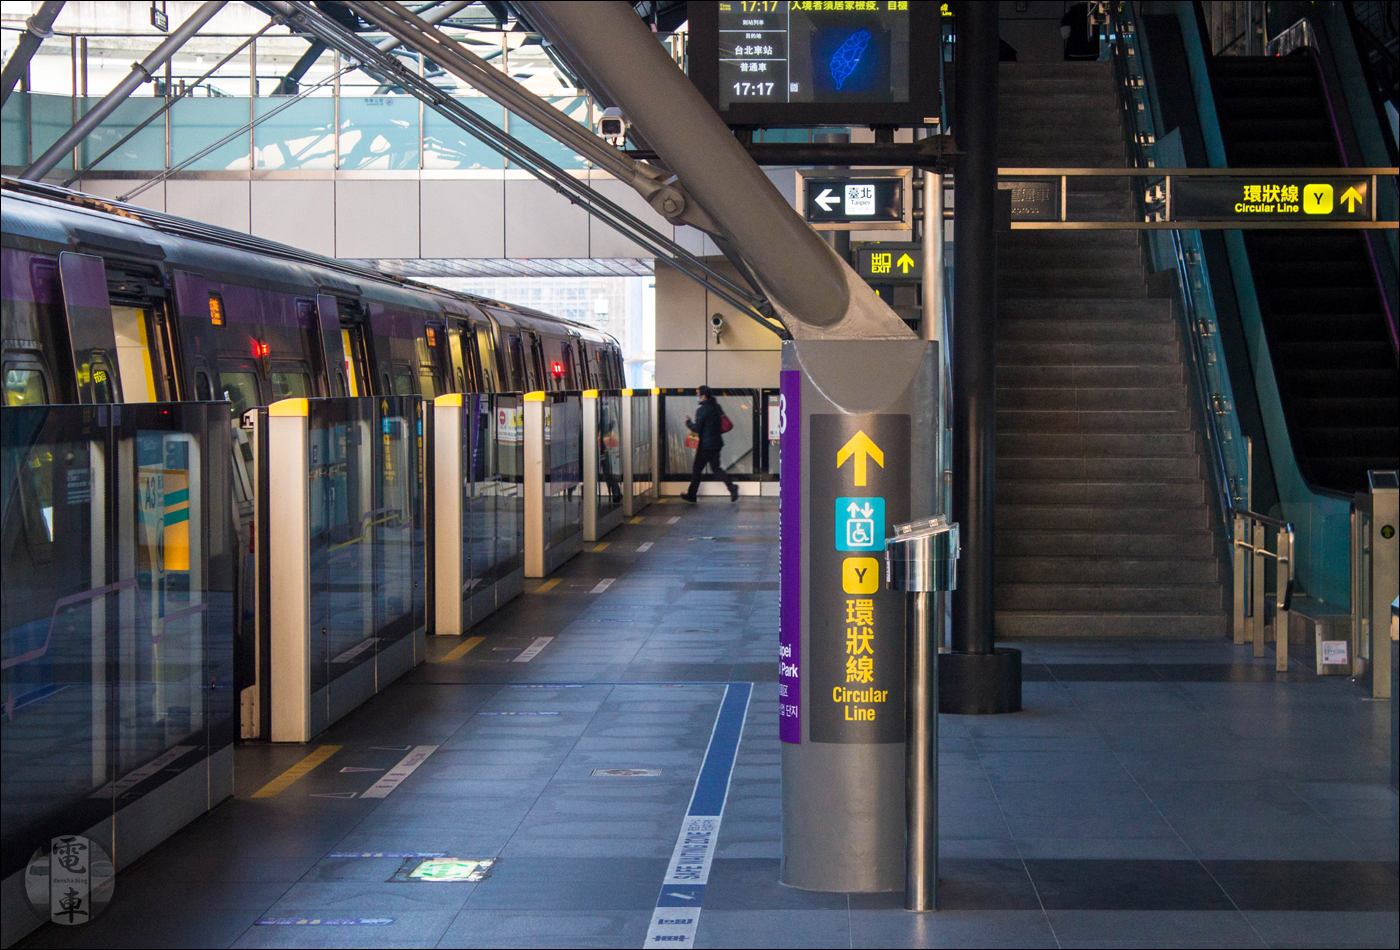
x=403, y=383
x=486, y=349
x=25, y=387
x=134, y=353
x=427, y=382
x=517, y=363
x=352, y=378
x=241, y=389
x=290, y=386
x=203, y=390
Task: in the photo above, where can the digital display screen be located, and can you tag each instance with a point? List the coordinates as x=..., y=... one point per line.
x=813, y=51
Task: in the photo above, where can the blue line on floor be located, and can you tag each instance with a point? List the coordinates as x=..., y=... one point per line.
x=677, y=913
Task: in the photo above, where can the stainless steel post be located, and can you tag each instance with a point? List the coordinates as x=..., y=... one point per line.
x=1256, y=600
x=931, y=327
x=1285, y=597
x=921, y=558
x=1237, y=559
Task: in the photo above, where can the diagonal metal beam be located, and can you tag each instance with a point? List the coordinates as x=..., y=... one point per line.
x=140, y=73
x=310, y=20
x=37, y=28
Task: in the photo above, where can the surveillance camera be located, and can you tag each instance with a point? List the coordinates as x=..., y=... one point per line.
x=717, y=321
x=612, y=125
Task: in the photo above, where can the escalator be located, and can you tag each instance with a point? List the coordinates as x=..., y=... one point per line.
x=1328, y=333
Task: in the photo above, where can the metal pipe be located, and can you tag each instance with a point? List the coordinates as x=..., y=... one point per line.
x=920, y=753
x=803, y=276
x=37, y=28
x=140, y=73
x=974, y=330
x=932, y=323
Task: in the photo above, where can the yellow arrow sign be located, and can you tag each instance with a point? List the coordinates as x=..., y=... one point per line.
x=1352, y=198
x=862, y=448
x=905, y=262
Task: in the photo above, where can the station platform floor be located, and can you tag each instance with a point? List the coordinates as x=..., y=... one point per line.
x=1151, y=793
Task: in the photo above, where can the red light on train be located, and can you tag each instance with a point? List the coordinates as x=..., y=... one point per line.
x=557, y=368
x=260, y=348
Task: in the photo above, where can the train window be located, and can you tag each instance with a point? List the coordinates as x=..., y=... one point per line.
x=518, y=381
x=290, y=385
x=427, y=382
x=570, y=371
x=133, y=334
x=403, y=383
x=486, y=350
x=537, y=362
x=203, y=391
x=240, y=389
x=459, y=363
x=25, y=387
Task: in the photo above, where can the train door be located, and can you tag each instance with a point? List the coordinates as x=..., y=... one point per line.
x=457, y=352
x=486, y=352
x=516, y=363
x=356, y=359
x=332, y=350
x=88, y=310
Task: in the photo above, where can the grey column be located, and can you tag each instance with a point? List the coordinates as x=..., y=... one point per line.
x=140, y=73
x=976, y=677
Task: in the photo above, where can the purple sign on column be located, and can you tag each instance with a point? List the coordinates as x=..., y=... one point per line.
x=790, y=557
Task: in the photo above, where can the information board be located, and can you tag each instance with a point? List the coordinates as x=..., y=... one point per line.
x=890, y=262
x=773, y=63
x=1276, y=198
x=859, y=490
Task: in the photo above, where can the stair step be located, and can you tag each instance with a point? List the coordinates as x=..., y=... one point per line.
x=1086, y=331
x=1055, y=568
x=1012, y=353
x=1026, y=625
x=1115, y=518
x=1095, y=444
x=1152, y=308
x=1013, y=421
x=1091, y=400
x=1018, y=271
x=1143, y=494
x=1189, y=598
x=1069, y=544
x=1099, y=469
x=1085, y=241
x=1092, y=377
x=1055, y=255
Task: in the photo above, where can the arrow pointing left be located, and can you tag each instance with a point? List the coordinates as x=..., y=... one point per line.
x=826, y=200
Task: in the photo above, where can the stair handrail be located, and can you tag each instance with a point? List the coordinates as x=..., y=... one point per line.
x=1226, y=452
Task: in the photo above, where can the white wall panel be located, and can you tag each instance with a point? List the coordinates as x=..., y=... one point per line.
x=680, y=368
x=741, y=368
x=463, y=218
x=541, y=223
x=153, y=197
x=606, y=242
x=376, y=218
x=222, y=203
x=299, y=212
x=680, y=311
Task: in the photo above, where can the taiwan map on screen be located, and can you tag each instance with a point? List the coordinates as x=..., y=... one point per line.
x=813, y=51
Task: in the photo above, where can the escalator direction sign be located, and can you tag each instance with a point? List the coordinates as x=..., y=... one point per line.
x=889, y=262
x=1280, y=198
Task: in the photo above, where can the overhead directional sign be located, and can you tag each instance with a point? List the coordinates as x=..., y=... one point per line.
x=875, y=202
x=889, y=262
x=1276, y=198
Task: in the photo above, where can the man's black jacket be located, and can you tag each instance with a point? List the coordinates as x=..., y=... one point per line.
x=706, y=425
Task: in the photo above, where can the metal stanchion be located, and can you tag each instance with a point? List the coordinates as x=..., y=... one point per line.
x=922, y=557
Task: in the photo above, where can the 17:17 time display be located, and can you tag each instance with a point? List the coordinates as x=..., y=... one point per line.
x=753, y=88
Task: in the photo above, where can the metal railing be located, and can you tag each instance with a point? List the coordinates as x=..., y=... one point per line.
x=1250, y=556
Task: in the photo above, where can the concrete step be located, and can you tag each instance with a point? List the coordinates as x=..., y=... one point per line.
x=1051, y=255
x=1054, y=420
x=1086, y=241
x=1062, y=155
x=1016, y=271
x=1013, y=353
x=1143, y=494
x=1127, y=598
x=1090, y=71
x=1027, y=625
x=1153, y=308
x=1099, y=469
x=1096, y=444
x=1118, y=545
x=1034, y=128
x=1088, y=518
x=1092, y=377
x=1027, y=290
x=1055, y=568
x=1086, y=331
x=1093, y=400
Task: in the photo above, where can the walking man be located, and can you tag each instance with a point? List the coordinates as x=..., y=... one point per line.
x=707, y=426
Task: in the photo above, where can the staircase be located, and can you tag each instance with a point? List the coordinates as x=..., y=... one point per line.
x=1104, y=522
